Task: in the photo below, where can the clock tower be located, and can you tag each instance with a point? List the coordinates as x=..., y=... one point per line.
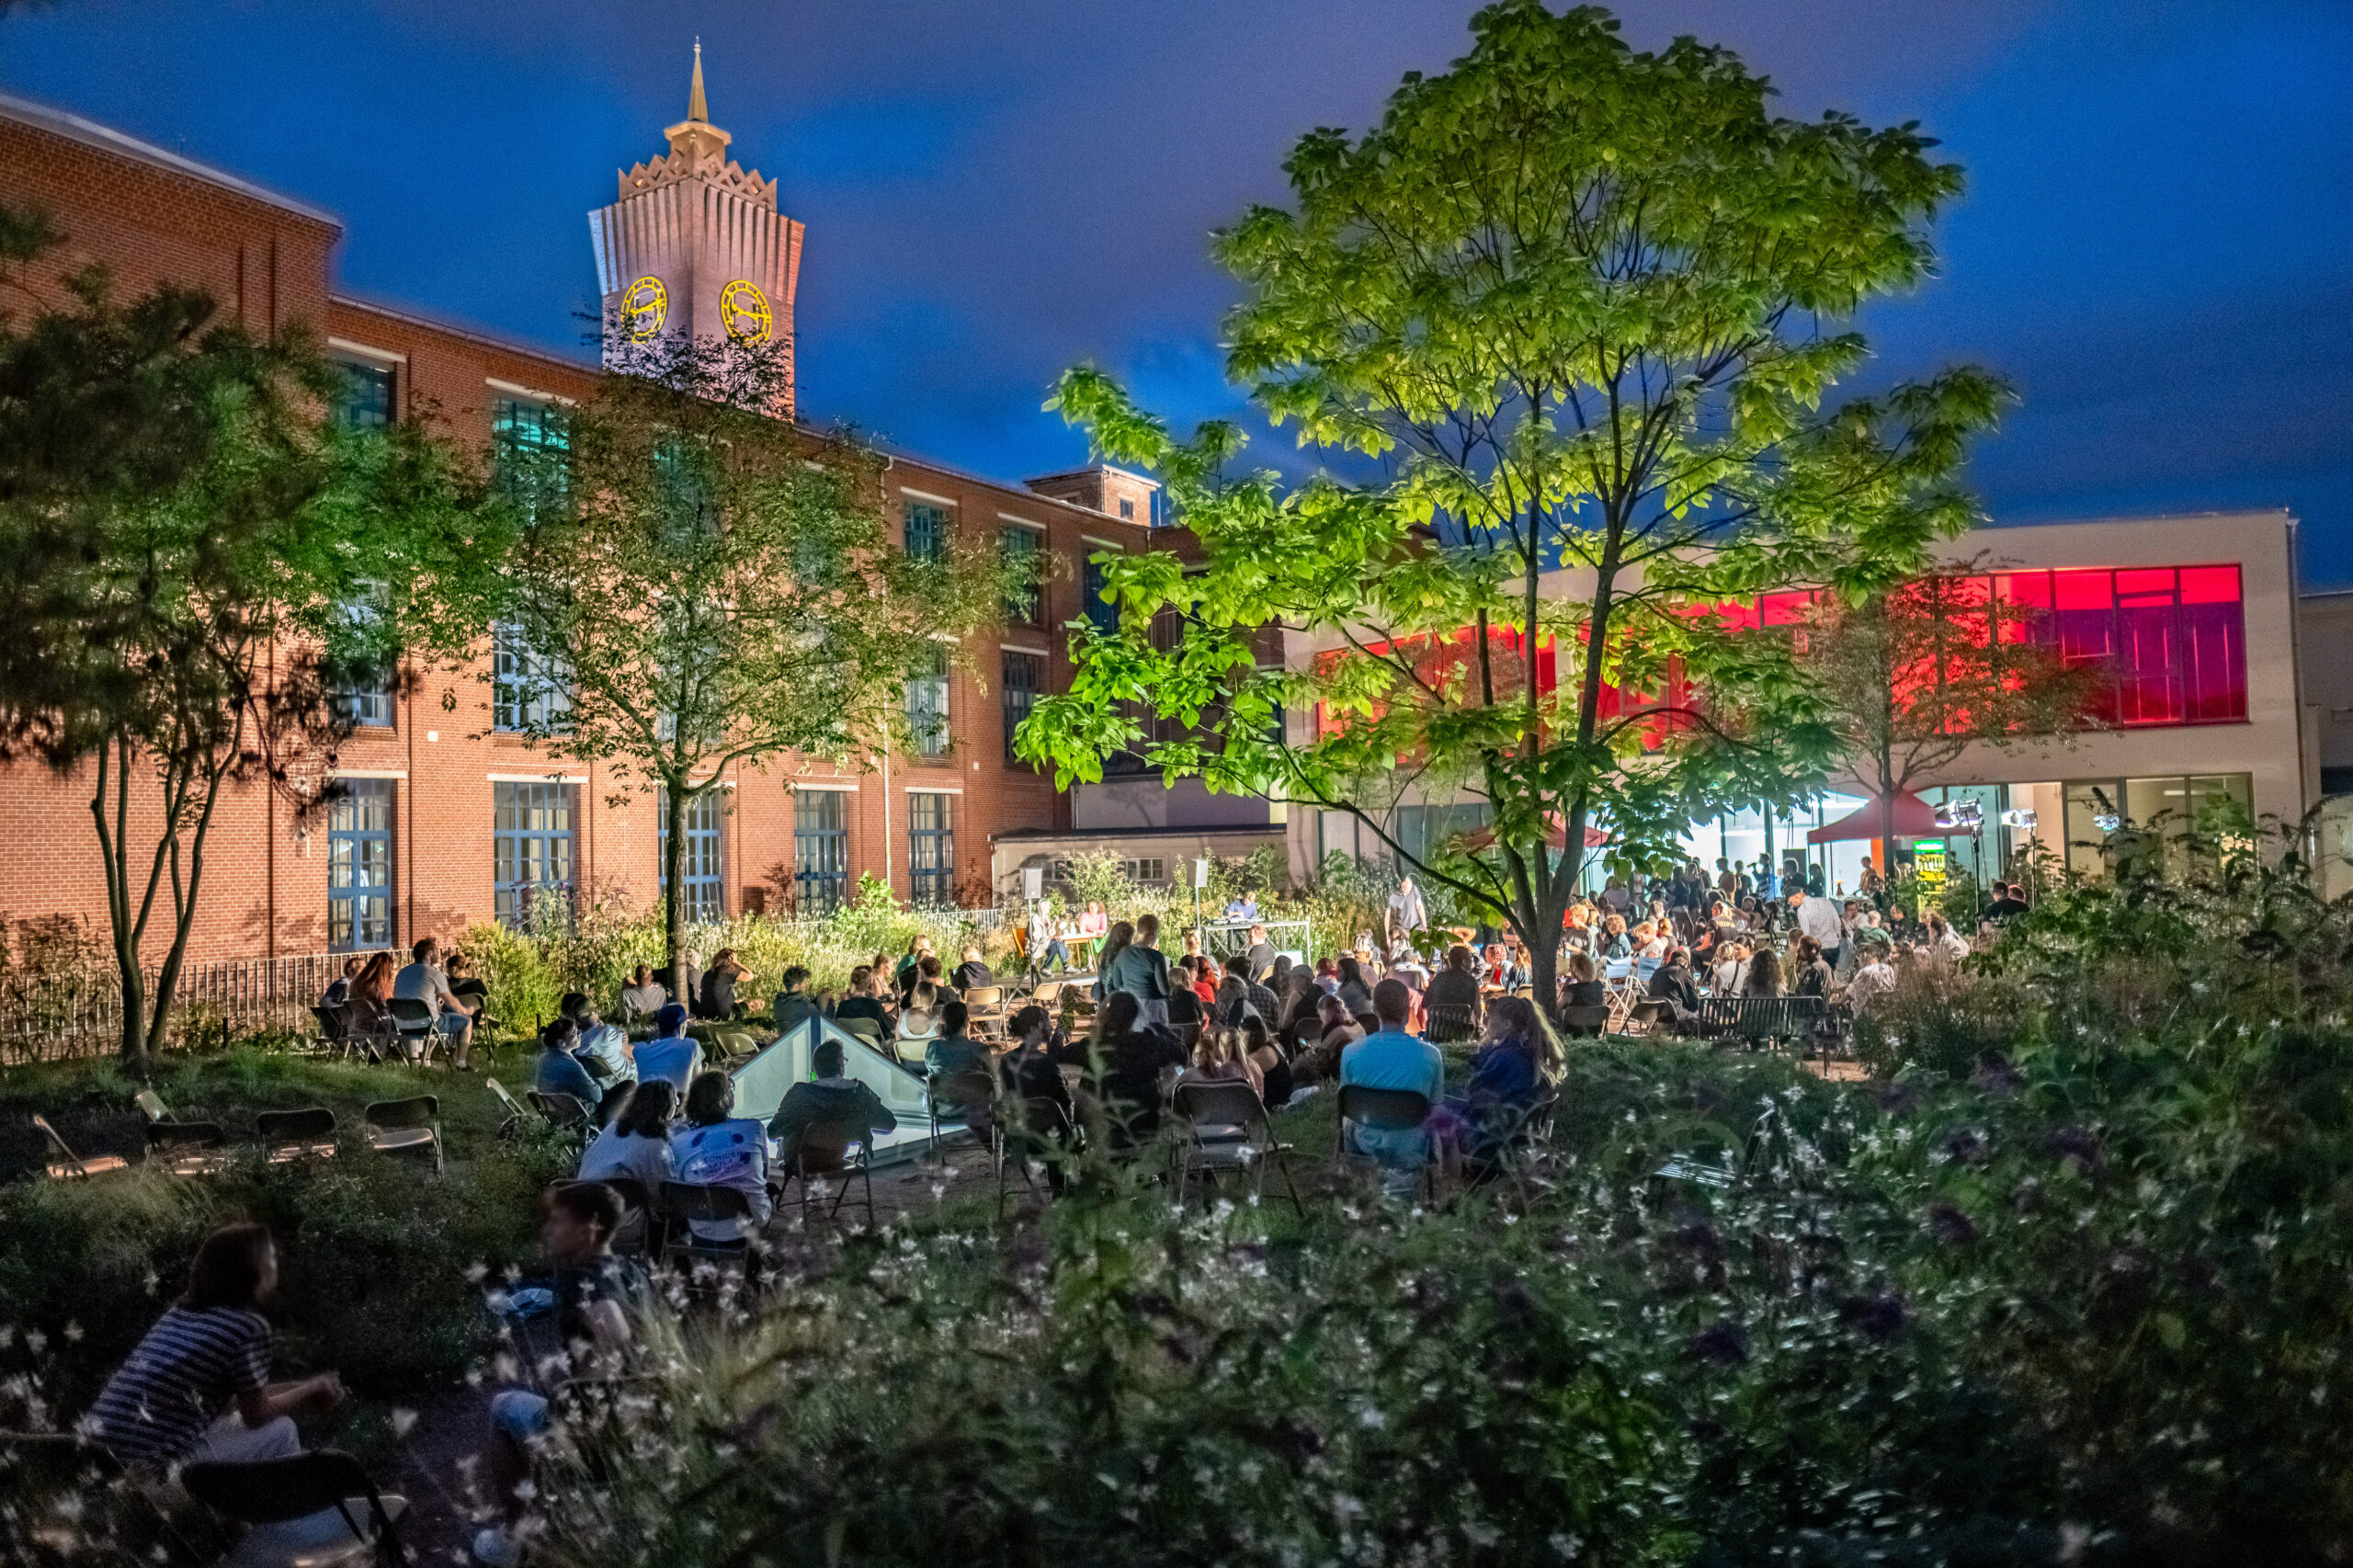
x=695, y=244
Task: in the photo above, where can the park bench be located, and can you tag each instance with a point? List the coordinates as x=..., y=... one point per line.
x=1759, y=1022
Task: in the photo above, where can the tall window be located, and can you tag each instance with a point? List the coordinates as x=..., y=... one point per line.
x=1103, y=612
x=2174, y=638
x=364, y=401
x=820, y=852
x=532, y=846
x=1025, y=604
x=704, y=899
x=360, y=867
x=928, y=704
x=530, y=447
x=529, y=691
x=363, y=697
x=926, y=534
x=931, y=847
x=1025, y=674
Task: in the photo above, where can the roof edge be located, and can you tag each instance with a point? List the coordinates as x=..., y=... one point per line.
x=106, y=139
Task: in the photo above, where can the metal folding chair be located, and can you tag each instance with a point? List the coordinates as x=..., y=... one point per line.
x=1227, y=1129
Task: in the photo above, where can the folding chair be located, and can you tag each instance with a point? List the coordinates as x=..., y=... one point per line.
x=984, y=1004
x=1449, y=1023
x=68, y=1165
x=1042, y=1130
x=333, y=1035
x=974, y=1096
x=512, y=1114
x=407, y=1126
x=913, y=1048
x=151, y=1105
x=1584, y=1020
x=825, y=1151
x=314, y=1510
x=683, y=1203
x=307, y=1135
x=563, y=1111
x=736, y=1045
x=69, y=1467
x=1228, y=1128
x=637, y=1230
x=1384, y=1111
x=867, y=1029
x=415, y=1026
x=188, y=1148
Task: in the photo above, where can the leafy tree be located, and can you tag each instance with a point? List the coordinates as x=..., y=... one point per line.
x=697, y=584
x=1907, y=678
x=184, y=537
x=1579, y=310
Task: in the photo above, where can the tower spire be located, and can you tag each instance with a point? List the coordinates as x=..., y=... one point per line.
x=695, y=108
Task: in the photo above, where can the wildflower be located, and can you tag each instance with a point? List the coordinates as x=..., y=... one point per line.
x=2078, y=1148
x=1967, y=1146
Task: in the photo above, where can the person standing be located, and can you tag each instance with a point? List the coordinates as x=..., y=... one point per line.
x=198, y=1387
x=1408, y=913
x=1818, y=918
x=1141, y=971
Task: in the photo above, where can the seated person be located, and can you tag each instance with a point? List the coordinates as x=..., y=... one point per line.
x=1393, y=1058
x=971, y=975
x=1221, y=1056
x=1452, y=997
x=952, y=1050
x=1263, y=1052
x=1047, y=1120
x=829, y=1098
x=792, y=1007
x=1512, y=1075
x=920, y=1020
x=1336, y=1029
x=198, y=1387
x=1583, y=986
x=715, y=1148
x=423, y=980
x=636, y=1142
x=603, y=1048
x=1673, y=984
x=670, y=1055
x=1259, y=960
x=1132, y=1058
x=862, y=1002
x=717, y=997
x=340, y=991
x=595, y=1293
x=554, y=1070
x=642, y=997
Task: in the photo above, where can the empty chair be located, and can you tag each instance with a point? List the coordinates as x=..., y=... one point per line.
x=512, y=1113
x=1039, y=1127
x=985, y=1005
x=65, y=1164
x=305, y=1134
x=314, y=1510
x=736, y=1045
x=1228, y=1128
x=407, y=1126
x=151, y=1105
x=188, y=1148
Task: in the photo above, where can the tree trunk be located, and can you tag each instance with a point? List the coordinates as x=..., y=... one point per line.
x=114, y=853
x=673, y=909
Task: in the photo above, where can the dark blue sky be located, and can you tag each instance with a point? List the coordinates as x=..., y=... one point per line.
x=2154, y=243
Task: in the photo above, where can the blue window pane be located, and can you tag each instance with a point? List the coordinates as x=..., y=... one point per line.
x=531, y=450
x=1025, y=604
x=927, y=705
x=820, y=852
x=704, y=899
x=364, y=402
x=531, y=846
x=1024, y=677
x=926, y=536
x=932, y=848
x=1103, y=612
x=360, y=866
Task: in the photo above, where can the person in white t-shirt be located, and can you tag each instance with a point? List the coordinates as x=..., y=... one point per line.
x=1408, y=913
x=1818, y=918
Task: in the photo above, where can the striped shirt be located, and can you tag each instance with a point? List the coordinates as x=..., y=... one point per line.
x=185, y=1375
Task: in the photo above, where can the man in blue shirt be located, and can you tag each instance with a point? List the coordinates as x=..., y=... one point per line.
x=1394, y=1058
x=670, y=1054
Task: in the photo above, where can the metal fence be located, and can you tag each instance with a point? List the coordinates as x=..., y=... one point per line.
x=230, y=996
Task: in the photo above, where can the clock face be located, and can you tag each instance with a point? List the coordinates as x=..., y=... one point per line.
x=645, y=305
x=744, y=310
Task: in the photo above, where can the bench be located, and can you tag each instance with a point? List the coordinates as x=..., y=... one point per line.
x=1759, y=1021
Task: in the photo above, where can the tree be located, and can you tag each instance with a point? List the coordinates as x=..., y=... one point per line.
x=184, y=537
x=1907, y=678
x=696, y=585
x=1576, y=313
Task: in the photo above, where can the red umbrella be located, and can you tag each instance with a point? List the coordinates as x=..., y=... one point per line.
x=1914, y=818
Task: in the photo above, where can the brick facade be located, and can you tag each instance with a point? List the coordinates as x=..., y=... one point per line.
x=150, y=217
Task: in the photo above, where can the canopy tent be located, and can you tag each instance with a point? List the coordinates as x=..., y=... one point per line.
x=761, y=1083
x=1914, y=818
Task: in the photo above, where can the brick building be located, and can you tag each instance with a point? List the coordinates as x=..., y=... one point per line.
x=449, y=819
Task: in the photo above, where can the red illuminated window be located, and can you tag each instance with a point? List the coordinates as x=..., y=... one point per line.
x=2174, y=638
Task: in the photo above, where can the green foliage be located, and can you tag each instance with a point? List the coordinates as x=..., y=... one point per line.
x=1591, y=305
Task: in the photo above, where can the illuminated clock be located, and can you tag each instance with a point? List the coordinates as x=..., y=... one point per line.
x=744, y=310
x=645, y=305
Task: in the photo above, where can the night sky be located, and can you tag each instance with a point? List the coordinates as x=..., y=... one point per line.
x=2154, y=243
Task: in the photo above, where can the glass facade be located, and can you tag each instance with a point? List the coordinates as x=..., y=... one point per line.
x=932, y=848
x=820, y=852
x=2175, y=637
x=360, y=866
x=529, y=447
x=532, y=846
x=1024, y=677
x=363, y=700
x=705, y=896
x=927, y=531
x=2168, y=809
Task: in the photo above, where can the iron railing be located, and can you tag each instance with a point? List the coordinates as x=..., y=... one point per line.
x=228, y=995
